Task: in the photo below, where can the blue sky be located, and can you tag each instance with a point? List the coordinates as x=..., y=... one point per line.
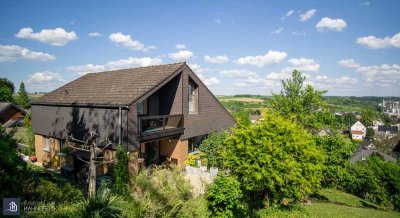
x=235, y=47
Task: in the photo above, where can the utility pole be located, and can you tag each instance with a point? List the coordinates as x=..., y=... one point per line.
x=96, y=156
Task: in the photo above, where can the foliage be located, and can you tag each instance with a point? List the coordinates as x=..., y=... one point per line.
x=49, y=190
x=283, y=211
x=29, y=134
x=375, y=180
x=6, y=90
x=338, y=150
x=23, y=98
x=196, y=207
x=299, y=103
x=12, y=167
x=213, y=146
x=224, y=197
x=121, y=171
x=242, y=117
x=204, y=162
x=368, y=116
x=103, y=204
x=192, y=159
x=276, y=158
x=370, y=133
x=161, y=192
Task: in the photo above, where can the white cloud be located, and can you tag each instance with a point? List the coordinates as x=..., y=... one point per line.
x=373, y=42
x=277, y=31
x=10, y=53
x=181, y=55
x=271, y=58
x=308, y=15
x=88, y=68
x=350, y=63
x=44, y=81
x=133, y=62
x=54, y=37
x=95, y=34
x=208, y=81
x=45, y=76
x=238, y=74
x=288, y=14
x=329, y=23
x=126, y=41
x=299, y=33
x=304, y=64
x=220, y=59
x=180, y=46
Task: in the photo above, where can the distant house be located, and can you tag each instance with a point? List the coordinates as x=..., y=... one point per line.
x=386, y=131
x=358, y=131
x=157, y=113
x=367, y=148
x=11, y=115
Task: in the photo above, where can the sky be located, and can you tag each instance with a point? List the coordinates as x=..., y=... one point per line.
x=350, y=48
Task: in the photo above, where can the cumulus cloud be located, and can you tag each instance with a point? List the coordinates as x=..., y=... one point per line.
x=350, y=63
x=271, y=58
x=373, y=42
x=220, y=59
x=44, y=81
x=180, y=46
x=329, y=23
x=238, y=73
x=288, y=14
x=304, y=64
x=10, y=53
x=308, y=15
x=126, y=41
x=54, y=37
x=88, y=68
x=181, y=55
x=133, y=62
x=277, y=31
x=95, y=34
x=211, y=81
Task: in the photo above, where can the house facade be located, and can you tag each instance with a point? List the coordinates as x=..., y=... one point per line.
x=157, y=113
x=358, y=131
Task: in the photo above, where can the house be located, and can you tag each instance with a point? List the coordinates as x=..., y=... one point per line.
x=367, y=148
x=157, y=113
x=386, y=131
x=358, y=131
x=11, y=115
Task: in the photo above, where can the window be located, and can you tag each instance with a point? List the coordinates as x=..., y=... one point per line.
x=46, y=146
x=142, y=107
x=195, y=142
x=193, y=101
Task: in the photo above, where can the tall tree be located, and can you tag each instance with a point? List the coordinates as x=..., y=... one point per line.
x=300, y=102
x=23, y=98
x=6, y=90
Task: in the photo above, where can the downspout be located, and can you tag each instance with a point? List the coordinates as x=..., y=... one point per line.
x=119, y=125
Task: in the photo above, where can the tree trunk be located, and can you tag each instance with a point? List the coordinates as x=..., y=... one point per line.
x=92, y=172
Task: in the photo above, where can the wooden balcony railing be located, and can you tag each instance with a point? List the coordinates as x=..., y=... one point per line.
x=152, y=127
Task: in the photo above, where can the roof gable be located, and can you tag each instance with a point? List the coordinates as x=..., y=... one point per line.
x=111, y=88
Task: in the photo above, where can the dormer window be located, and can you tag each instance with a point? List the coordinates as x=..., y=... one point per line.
x=193, y=97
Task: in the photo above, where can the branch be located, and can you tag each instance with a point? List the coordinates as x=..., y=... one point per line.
x=82, y=149
x=111, y=161
x=82, y=160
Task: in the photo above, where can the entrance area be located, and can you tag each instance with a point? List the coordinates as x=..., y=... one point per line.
x=160, y=151
x=151, y=152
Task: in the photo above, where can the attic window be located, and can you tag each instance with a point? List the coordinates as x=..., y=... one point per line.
x=193, y=97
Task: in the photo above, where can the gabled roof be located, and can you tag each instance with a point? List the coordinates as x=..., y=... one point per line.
x=391, y=129
x=4, y=106
x=364, y=153
x=111, y=88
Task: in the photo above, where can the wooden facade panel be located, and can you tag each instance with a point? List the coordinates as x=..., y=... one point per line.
x=176, y=149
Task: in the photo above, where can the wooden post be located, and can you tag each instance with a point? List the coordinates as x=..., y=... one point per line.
x=92, y=171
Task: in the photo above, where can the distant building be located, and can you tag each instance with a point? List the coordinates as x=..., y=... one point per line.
x=367, y=148
x=358, y=131
x=255, y=118
x=386, y=131
x=324, y=132
x=390, y=107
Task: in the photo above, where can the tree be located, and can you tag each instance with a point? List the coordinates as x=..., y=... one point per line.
x=6, y=90
x=213, y=147
x=242, y=117
x=299, y=103
x=29, y=134
x=368, y=116
x=276, y=159
x=121, y=171
x=23, y=98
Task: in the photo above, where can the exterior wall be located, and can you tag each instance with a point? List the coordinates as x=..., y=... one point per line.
x=176, y=149
x=61, y=122
x=211, y=115
x=359, y=127
x=47, y=156
x=357, y=137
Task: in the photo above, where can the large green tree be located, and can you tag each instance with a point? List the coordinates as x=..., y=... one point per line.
x=276, y=159
x=302, y=103
x=23, y=98
x=6, y=90
x=368, y=116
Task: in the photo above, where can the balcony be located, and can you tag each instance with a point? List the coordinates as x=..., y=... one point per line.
x=156, y=127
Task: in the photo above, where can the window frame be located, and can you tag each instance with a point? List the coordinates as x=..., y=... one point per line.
x=193, y=90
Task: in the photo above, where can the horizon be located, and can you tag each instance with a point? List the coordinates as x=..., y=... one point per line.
x=350, y=48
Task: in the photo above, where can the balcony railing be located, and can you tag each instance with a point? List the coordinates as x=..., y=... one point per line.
x=152, y=127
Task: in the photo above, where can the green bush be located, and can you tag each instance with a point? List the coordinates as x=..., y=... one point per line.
x=121, y=171
x=103, y=204
x=224, y=197
x=274, y=159
x=196, y=207
x=212, y=147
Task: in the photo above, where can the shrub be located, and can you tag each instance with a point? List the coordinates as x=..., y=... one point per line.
x=103, y=204
x=275, y=159
x=121, y=171
x=196, y=207
x=212, y=148
x=224, y=197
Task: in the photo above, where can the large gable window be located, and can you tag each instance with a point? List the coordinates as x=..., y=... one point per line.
x=193, y=97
